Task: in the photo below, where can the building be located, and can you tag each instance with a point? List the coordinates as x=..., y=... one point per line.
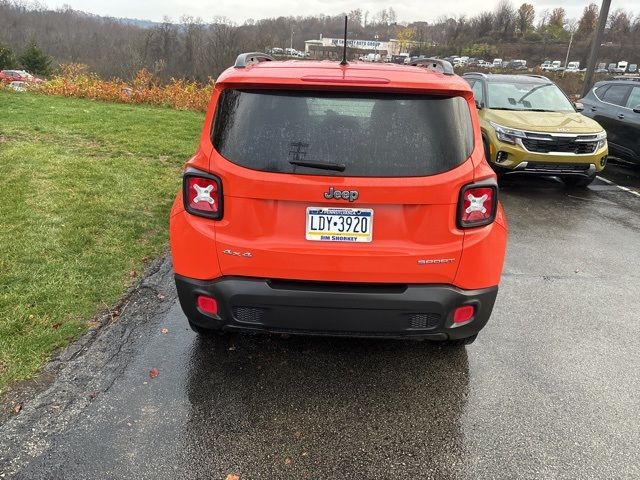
x=332, y=47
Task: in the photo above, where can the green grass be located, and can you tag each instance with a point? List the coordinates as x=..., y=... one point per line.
x=85, y=192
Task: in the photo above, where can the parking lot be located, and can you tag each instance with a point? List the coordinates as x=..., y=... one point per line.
x=549, y=389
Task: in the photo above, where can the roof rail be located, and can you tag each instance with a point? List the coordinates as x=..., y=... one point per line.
x=245, y=59
x=534, y=75
x=482, y=74
x=436, y=64
x=630, y=79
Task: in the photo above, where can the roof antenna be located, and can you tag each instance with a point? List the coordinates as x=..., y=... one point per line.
x=344, y=50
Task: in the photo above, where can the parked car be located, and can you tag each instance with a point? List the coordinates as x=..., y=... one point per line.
x=399, y=59
x=9, y=76
x=358, y=236
x=529, y=126
x=573, y=67
x=546, y=65
x=621, y=67
x=517, y=65
x=615, y=104
x=18, y=86
x=601, y=68
x=633, y=68
x=497, y=63
x=556, y=66
x=612, y=67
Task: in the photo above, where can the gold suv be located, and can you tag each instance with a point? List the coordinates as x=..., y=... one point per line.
x=529, y=126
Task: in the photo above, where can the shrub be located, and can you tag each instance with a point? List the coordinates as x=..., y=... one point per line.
x=74, y=80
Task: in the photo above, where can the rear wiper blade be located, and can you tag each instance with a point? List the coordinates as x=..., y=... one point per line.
x=338, y=167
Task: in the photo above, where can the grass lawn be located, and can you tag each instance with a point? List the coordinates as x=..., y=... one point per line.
x=85, y=193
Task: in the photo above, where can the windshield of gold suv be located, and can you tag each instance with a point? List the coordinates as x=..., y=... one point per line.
x=527, y=96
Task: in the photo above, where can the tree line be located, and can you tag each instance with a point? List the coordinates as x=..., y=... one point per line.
x=196, y=49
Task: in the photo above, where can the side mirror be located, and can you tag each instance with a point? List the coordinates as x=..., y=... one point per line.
x=637, y=109
x=579, y=106
x=479, y=105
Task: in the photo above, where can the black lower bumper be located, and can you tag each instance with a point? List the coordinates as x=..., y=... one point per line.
x=336, y=309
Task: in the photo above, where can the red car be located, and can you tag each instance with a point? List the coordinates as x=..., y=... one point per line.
x=8, y=76
x=339, y=199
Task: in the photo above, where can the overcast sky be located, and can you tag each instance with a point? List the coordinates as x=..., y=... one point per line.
x=240, y=10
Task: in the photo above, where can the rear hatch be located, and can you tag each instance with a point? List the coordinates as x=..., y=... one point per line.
x=341, y=186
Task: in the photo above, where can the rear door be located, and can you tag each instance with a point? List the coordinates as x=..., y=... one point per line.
x=629, y=136
x=610, y=111
x=353, y=187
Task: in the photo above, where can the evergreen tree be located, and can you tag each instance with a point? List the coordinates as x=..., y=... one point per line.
x=35, y=61
x=7, y=60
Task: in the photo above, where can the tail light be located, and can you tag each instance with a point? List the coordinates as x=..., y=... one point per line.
x=202, y=194
x=477, y=205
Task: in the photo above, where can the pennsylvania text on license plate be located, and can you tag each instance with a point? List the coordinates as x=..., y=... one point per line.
x=339, y=224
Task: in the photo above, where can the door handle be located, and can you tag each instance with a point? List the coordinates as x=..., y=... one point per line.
x=593, y=109
x=621, y=116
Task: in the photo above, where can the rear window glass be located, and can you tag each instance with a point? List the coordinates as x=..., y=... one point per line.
x=616, y=94
x=352, y=134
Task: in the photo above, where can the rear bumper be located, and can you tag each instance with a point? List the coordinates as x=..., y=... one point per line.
x=336, y=309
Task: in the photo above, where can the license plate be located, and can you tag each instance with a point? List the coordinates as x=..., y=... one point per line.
x=339, y=224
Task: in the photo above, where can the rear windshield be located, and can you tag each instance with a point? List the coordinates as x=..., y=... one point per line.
x=343, y=134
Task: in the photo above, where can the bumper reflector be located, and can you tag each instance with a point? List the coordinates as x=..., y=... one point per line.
x=463, y=314
x=207, y=305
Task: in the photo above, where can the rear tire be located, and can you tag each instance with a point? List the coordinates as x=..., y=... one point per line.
x=460, y=342
x=205, y=332
x=578, y=181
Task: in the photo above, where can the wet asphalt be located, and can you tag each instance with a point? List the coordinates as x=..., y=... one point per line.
x=549, y=389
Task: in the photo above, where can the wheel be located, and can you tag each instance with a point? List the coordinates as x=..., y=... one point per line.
x=578, y=181
x=460, y=342
x=205, y=332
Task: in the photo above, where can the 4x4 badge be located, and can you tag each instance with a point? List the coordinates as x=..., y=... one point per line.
x=351, y=195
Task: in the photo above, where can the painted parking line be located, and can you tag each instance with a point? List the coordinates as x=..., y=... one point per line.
x=626, y=189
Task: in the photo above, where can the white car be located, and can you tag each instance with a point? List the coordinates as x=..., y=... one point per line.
x=18, y=86
x=621, y=67
x=573, y=67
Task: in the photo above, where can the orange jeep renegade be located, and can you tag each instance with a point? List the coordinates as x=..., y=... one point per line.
x=339, y=199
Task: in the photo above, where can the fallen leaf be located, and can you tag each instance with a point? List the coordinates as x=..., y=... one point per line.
x=56, y=326
x=297, y=434
x=161, y=296
x=232, y=476
x=232, y=348
x=153, y=373
x=55, y=407
x=164, y=330
x=133, y=273
x=17, y=407
x=288, y=461
x=93, y=395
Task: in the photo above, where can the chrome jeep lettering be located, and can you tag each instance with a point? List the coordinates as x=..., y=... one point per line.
x=350, y=195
